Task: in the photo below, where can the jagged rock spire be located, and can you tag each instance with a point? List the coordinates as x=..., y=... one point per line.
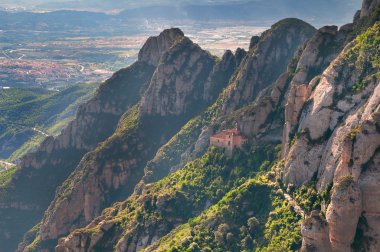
x=156, y=46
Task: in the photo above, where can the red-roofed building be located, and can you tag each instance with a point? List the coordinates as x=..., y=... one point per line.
x=228, y=139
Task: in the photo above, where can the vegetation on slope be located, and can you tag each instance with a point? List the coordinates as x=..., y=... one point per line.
x=251, y=217
x=184, y=194
x=6, y=175
x=21, y=110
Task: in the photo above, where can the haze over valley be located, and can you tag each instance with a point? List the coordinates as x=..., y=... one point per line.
x=189, y=126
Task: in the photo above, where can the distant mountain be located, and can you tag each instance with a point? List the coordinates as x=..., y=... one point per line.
x=316, y=12
x=51, y=20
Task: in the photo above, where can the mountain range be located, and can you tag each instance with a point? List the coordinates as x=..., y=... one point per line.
x=319, y=13
x=135, y=171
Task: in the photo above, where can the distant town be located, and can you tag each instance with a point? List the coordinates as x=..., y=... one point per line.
x=37, y=59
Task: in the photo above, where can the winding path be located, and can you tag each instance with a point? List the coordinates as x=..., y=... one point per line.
x=6, y=164
x=292, y=202
x=41, y=132
x=28, y=127
x=297, y=208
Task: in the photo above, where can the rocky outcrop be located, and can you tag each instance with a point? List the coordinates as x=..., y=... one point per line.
x=369, y=182
x=110, y=172
x=338, y=141
x=343, y=213
x=57, y=157
x=181, y=148
x=318, y=53
x=368, y=7
x=263, y=119
x=177, y=86
x=266, y=60
x=221, y=74
x=155, y=47
x=315, y=234
x=332, y=111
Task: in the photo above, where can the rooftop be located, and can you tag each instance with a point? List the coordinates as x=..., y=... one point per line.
x=225, y=133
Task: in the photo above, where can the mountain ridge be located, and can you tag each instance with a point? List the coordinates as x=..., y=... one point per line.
x=307, y=100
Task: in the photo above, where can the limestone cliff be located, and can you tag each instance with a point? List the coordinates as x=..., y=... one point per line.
x=110, y=172
x=319, y=51
x=317, y=93
x=266, y=60
x=56, y=158
x=337, y=139
x=177, y=86
x=159, y=166
x=155, y=47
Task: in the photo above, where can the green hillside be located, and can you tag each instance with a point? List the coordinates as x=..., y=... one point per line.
x=24, y=111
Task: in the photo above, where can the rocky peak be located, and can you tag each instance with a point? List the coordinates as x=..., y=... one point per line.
x=156, y=46
x=220, y=75
x=176, y=88
x=319, y=51
x=368, y=6
x=254, y=41
x=267, y=60
x=178, y=80
x=239, y=55
x=315, y=233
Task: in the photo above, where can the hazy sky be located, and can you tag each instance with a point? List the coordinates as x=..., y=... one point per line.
x=117, y=4
x=317, y=12
x=38, y=4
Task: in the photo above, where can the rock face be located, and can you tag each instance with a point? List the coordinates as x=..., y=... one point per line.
x=315, y=234
x=369, y=182
x=110, y=172
x=222, y=73
x=266, y=60
x=343, y=213
x=192, y=134
x=314, y=92
x=368, y=7
x=321, y=133
x=56, y=158
x=155, y=47
x=338, y=141
x=95, y=122
x=319, y=51
x=250, y=122
x=178, y=81
x=156, y=103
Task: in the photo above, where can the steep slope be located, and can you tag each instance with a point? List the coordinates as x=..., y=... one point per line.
x=24, y=109
x=192, y=141
x=342, y=90
x=350, y=163
x=142, y=219
x=111, y=171
x=56, y=158
x=266, y=60
x=315, y=93
x=159, y=167
x=337, y=144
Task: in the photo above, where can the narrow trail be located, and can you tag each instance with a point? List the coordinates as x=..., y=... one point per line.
x=6, y=164
x=27, y=127
x=297, y=208
x=41, y=132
